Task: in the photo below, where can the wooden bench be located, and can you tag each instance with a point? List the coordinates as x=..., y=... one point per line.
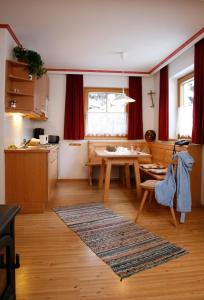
x=162, y=153
x=95, y=161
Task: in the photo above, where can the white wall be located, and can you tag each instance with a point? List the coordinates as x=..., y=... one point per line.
x=178, y=68
x=72, y=159
x=148, y=111
x=122, y=81
x=181, y=66
x=156, y=115
x=56, y=104
x=12, y=128
x=2, y=89
x=173, y=108
x=6, y=45
x=16, y=129
x=105, y=81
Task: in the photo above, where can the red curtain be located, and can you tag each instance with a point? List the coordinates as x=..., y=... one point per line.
x=135, y=122
x=164, y=105
x=74, y=108
x=198, y=104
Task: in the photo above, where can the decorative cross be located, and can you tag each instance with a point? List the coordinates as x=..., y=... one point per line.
x=151, y=93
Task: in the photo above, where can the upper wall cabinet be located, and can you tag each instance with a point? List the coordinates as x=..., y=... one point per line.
x=25, y=93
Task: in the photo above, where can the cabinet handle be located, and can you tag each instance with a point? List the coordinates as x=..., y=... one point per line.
x=74, y=144
x=2, y=263
x=17, y=263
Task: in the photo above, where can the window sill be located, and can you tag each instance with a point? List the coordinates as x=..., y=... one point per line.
x=89, y=137
x=180, y=138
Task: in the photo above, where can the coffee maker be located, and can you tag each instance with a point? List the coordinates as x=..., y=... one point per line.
x=37, y=132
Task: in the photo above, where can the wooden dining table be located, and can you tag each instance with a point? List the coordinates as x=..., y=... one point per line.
x=125, y=158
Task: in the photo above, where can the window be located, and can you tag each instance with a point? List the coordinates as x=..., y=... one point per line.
x=103, y=117
x=185, y=105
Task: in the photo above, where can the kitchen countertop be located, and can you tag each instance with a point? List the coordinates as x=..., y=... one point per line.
x=31, y=149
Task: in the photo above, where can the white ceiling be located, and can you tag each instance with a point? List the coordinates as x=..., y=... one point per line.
x=88, y=34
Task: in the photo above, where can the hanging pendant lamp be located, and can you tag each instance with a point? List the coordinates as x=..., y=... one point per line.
x=122, y=98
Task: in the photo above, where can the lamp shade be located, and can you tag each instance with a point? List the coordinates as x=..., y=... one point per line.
x=122, y=99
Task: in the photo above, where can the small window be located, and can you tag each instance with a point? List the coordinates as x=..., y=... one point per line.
x=186, y=90
x=103, y=117
x=185, y=105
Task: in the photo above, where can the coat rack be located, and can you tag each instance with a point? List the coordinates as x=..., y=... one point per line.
x=151, y=93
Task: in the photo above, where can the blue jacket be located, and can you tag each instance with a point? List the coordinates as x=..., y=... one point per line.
x=165, y=189
x=185, y=163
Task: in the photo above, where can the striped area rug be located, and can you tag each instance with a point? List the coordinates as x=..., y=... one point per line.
x=120, y=243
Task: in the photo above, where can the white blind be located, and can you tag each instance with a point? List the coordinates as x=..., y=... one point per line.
x=106, y=124
x=185, y=121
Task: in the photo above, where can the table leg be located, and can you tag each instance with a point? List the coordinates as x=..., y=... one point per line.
x=101, y=174
x=107, y=179
x=90, y=173
x=137, y=179
x=127, y=176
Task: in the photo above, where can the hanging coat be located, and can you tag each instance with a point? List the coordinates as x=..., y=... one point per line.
x=165, y=189
x=185, y=163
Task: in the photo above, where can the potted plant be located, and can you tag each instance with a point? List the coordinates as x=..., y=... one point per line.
x=32, y=58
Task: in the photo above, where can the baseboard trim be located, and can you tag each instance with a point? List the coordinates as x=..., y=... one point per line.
x=83, y=179
x=71, y=179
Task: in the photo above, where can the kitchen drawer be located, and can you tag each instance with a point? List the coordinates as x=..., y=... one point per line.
x=30, y=177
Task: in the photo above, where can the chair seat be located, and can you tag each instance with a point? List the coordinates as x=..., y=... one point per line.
x=149, y=187
x=149, y=184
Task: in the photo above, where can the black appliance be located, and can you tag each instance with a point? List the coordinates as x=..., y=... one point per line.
x=8, y=260
x=53, y=139
x=37, y=132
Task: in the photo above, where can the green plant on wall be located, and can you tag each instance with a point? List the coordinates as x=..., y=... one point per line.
x=32, y=58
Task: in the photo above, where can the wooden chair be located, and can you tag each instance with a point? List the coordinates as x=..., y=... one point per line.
x=149, y=186
x=124, y=172
x=91, y=166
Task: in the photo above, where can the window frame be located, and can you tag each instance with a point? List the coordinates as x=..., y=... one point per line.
x=180, y=81
x=88, y=90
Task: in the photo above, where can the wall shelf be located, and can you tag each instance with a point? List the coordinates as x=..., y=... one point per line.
x=19, y=94
x=22, y=111
x=17, y=78
x=29, y=94
x=18, y=63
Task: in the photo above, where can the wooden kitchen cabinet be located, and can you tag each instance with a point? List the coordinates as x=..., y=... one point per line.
x=41, y=94
x=52, y=170
x=29, y=93
x=30, y=177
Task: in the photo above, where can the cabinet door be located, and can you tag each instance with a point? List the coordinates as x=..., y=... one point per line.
x=52, y=170
x=40, y=94
x=26, y=180
x=45, y=94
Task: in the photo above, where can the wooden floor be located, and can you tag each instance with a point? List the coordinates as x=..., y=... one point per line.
x=57, y=265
